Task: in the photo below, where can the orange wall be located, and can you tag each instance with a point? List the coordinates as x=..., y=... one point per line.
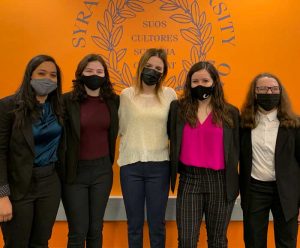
x=266, y=38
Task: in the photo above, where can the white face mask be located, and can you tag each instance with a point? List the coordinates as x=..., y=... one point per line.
x=43, y=86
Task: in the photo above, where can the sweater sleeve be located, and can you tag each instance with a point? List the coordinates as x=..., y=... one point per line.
x=123, y=109
x=170, y=94
x=173, y=94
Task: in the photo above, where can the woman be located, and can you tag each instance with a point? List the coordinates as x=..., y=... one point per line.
x=144, y=152
x=204, y=150
x=92, y=128
x=31, y=148
x=269, y=164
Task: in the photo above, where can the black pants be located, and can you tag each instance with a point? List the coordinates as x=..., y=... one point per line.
x=263, y=197
x=201, y=192
x=85, y=201
x=34, y=215
x=146, y=181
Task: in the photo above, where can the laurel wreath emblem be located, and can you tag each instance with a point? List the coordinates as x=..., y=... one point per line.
x=110, y=31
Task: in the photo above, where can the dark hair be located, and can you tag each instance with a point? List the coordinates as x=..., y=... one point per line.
x=161, y=53
x=285, y=114
x=27, y=104
x=189, y=105
x=79, y=92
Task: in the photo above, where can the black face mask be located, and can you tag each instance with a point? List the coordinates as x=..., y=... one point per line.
x=93, y=82
x=150, y=76
x=201, y=93
x=268, y=101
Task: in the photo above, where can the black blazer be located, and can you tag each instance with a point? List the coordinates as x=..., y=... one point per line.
x=17, y=151
x=231, y=149
x=287, y=168
x=72, y=108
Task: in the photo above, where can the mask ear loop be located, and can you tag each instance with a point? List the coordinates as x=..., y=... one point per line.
x=160, y=79
x=212, y=89
x=280, y=91
x=78, y=80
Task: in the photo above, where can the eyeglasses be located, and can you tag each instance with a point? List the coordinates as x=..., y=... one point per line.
x=265, y=89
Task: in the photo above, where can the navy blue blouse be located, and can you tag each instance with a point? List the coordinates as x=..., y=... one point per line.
x=46, y=133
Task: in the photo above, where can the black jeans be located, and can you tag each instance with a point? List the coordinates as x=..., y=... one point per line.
x=146, y=181
x=263, y=197
x=34, y=215
x=85, y=201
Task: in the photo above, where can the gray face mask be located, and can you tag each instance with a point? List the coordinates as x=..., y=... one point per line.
x=43, y=86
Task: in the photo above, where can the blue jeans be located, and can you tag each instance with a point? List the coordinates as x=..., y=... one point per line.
x=146, y=181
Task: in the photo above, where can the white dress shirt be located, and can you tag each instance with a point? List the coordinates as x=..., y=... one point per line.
x=263, y=146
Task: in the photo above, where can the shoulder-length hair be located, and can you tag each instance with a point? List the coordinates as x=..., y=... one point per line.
x=26, y=102
x=79, y=92
x=189, y=105
x=161, y=53
x=285, y=114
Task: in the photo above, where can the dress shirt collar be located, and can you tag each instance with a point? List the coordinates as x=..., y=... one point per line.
x=272, y=116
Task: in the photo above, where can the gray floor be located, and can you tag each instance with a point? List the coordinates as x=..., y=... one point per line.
x=115, y=210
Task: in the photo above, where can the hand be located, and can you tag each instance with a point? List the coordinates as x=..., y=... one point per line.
x=5, y=209
x=299, y=217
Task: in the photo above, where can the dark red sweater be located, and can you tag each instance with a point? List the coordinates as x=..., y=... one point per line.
x=94, y=126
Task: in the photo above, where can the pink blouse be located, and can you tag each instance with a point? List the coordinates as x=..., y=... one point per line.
x=203, y=146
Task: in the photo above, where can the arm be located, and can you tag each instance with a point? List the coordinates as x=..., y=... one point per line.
x=124, y=105
x=297, y=145
x=297, y=154
x=6, y=122
x=173, y=98
x=172, y=120
x=169, y=121
x=237, y=129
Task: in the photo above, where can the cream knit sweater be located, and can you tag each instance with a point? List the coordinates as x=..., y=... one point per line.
x=143, y=126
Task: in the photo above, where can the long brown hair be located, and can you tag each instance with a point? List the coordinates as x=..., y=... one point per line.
x=161, y=53
x=189, y=105
x=26, y=102
x=79, y=92
x=285, y=114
